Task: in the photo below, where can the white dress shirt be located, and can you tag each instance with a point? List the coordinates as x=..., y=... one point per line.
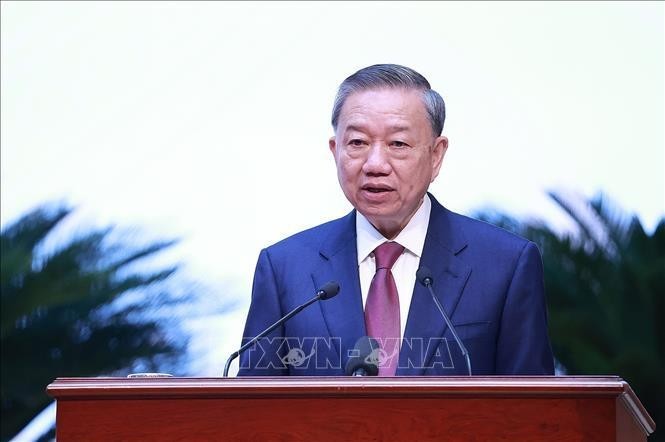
x=412, y=237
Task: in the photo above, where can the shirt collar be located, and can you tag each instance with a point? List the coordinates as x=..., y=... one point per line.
x=412, y=237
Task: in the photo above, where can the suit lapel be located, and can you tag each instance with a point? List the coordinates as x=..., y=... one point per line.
x=343, y=314
x=450, y=274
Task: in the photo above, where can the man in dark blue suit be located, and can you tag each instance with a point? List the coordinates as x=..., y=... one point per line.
x=388, y=148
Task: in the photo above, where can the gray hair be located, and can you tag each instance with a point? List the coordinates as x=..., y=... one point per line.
x=392, y=76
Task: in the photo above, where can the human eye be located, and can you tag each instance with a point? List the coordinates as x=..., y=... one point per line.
x=399, y=144
x=356, y=142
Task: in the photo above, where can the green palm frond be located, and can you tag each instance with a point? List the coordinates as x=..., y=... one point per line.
x=58, y=314
x=605, y=285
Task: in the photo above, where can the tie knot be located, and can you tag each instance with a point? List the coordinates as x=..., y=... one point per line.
x=386, y=255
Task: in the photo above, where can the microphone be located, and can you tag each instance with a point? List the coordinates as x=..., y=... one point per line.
x=327, y=291
x=424, y=276
x=366, y=359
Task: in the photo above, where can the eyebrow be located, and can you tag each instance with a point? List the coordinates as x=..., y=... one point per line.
x=398, y=128
x=354, y=127
x=361, y=128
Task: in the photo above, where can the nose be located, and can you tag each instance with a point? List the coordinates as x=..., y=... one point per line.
x=377, y=161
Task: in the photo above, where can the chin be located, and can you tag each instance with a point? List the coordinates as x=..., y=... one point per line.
x=376, y=214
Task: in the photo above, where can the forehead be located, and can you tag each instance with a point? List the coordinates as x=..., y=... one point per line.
x=391, y=105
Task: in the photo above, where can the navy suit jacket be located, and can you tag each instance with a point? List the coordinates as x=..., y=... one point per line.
x=489, y=281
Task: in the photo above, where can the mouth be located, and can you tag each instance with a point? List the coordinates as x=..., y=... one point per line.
x=376, y=188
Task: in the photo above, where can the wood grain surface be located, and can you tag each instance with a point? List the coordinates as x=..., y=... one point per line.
x=362, y=409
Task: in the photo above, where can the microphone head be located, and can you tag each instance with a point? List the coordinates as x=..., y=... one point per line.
x=329, y=290
x=364, y=357
x=424, y=276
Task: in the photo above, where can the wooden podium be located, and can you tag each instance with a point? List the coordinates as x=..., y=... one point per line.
x=543, y=408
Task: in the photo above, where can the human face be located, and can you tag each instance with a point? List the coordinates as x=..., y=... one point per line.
x=386, y=155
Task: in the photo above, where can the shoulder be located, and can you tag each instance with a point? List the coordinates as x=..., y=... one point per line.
x=315, y=238
x=461, y=232
x=481, y=231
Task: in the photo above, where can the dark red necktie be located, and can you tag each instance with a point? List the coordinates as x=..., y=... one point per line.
x=382, y=307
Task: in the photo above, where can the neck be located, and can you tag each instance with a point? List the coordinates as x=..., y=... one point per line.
x=391, y=228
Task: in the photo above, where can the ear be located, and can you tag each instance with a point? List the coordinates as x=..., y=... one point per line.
x=332, y=145
x=438, y=152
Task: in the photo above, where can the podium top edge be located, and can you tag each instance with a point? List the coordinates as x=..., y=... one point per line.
x=294, y=384
x=462, y=387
